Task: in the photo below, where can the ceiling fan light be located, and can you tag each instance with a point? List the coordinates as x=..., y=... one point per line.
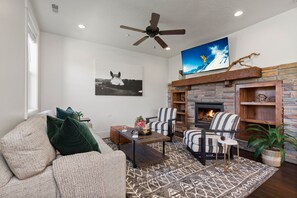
x=167, y=48
x=81, y=26
x=238, y=13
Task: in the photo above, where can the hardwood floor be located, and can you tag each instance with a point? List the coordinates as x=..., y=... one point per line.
x=282, y=184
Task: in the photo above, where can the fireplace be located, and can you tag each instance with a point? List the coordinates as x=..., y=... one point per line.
x=204, y=112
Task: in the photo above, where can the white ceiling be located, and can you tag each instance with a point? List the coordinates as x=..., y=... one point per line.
x=204, y=20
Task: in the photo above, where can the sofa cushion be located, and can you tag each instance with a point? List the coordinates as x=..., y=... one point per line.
x=41, y=185
x=63, y=114
x=53, y=126
x=74, y=137
x=27, y=149
x=5, y=173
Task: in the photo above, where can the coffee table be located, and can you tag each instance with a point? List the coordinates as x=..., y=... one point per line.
x=139, y=152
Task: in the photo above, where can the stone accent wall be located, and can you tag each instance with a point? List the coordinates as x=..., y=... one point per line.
x=217, y=92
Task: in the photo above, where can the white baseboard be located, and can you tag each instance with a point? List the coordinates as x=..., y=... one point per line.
x=103, y=134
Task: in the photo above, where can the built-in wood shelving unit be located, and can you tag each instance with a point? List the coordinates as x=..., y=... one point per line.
x=179, y=101
x=269, y=111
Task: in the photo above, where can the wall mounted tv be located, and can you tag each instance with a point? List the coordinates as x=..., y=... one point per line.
x=207, y=57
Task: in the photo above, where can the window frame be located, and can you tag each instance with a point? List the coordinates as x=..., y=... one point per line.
x=32, y=29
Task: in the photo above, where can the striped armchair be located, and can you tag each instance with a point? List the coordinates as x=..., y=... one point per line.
x=203, y=143
x=164, y=123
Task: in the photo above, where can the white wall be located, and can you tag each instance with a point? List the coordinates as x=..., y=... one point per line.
x=275, y=39
x=12, y=64
x=67, y=79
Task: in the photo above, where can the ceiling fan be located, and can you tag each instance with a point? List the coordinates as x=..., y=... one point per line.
x=153, y=31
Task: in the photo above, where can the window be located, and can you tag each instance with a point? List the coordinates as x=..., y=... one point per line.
x=32, y=89
x=32, y=95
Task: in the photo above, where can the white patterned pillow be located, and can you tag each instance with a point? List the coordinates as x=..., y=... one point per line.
x=27, y=149
x=5, y=173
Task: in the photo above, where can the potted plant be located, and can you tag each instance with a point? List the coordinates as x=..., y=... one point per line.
x=270, y=143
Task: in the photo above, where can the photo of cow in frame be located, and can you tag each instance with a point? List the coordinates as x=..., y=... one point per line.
x=118, y=81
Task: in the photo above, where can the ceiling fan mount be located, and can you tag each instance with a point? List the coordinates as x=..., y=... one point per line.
x=153, y=31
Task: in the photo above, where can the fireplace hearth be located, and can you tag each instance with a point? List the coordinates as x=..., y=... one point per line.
x=204, y=112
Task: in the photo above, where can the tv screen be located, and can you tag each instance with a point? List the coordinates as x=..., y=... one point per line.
x=207, y=57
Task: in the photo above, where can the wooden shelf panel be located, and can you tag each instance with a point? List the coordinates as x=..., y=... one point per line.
x=181, y=113
x=179, y=102
x=181, y=91
x=258, y=121
x=258, y=103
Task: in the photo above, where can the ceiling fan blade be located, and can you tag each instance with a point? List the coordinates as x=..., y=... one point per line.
x=155, y=20
x=133, y=29
x=172, y=32
x=140, y=40
x=161, y=42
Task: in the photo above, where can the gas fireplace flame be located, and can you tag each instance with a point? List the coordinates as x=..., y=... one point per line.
x=210, y=113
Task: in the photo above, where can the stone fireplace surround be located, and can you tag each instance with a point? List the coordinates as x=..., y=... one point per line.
x=218, y=93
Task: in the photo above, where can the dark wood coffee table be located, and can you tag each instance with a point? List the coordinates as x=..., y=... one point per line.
x=139, y=152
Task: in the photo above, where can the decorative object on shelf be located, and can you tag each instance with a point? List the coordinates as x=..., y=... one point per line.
x=140, y=122
x=181, y=75
x=241, y=60
x=80, y=115
x=122, y=80
x=269, y=142
x=271, y=99
x=261, y=98
x=223, y=138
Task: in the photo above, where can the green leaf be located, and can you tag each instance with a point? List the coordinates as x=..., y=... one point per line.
x=259, y=142
x=282, y=151
x=259, y=151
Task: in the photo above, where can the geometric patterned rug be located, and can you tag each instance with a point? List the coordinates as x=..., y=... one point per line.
x=183, y=176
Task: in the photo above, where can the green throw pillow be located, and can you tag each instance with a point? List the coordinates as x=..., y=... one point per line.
x=53, y=126
x=74, y=137
x=62, y=114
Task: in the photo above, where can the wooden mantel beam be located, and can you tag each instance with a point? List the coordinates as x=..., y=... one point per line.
x=253, y=72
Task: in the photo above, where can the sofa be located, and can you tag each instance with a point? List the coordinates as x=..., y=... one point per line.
x=31, y=167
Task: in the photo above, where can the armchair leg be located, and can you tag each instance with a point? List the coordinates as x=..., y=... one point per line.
x=203, y=154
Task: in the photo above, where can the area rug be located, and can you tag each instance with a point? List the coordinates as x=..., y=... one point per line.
x=183, y=176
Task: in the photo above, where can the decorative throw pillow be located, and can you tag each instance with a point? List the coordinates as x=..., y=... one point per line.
x=74, y=137
x=62, y=114
x=27, y=149
x=53, y=126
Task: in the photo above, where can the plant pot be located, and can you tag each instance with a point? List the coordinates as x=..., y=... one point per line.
x=271, y=158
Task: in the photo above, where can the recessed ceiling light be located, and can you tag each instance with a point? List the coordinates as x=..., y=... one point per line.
x=127, y=35
x=238, y=13
x=167, y=48
x=81, y=26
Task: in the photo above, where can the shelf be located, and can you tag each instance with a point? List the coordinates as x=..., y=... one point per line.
x=181, y=91
x=253, y=72
x=179, y=102
x=258, y=121
x=258, y=103
x=181, y=113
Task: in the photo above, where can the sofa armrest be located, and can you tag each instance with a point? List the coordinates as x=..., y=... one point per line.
x=99, y=173
x=115, y=174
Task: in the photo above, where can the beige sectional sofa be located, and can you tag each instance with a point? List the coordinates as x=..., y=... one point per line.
x=27, y=166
